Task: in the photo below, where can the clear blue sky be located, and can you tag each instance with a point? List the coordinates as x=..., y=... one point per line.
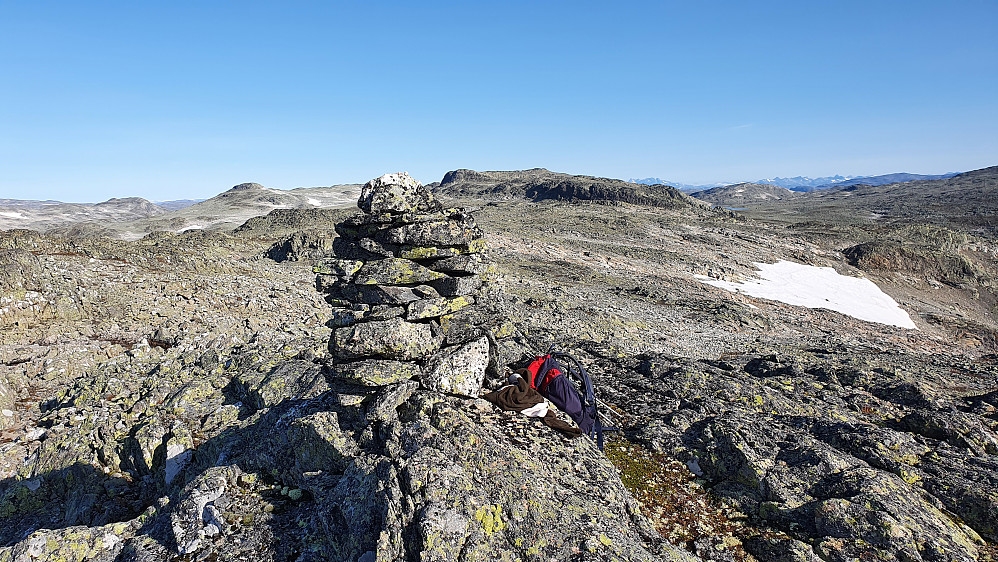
x=183, y=99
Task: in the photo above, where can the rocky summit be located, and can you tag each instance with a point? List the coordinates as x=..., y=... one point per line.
x=305, y=386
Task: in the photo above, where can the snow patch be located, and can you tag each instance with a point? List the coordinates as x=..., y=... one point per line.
x=314, y=202
x=12, y=215
x=820, y=287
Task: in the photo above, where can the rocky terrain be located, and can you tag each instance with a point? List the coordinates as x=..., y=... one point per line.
x=304, y=387
x=968, y=201
x=740, y=194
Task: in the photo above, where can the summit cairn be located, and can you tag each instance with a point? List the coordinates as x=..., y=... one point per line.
x=409, y=288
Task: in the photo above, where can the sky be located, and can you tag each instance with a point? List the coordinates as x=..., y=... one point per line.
x=184, y=99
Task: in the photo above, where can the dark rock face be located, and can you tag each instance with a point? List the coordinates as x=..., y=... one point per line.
x=947, y=267
x=302, y=246
x=247, y=187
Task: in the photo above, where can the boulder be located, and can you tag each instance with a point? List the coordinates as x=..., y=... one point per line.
x=396, y=193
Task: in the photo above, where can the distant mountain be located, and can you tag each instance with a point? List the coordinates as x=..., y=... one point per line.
x=178, y=204
x=742, y=194
x=134, y=217
x=45, y=215
x=802, y=183
x=539, y=184
x=232, y=208
x=882, y=180
x=685, y=187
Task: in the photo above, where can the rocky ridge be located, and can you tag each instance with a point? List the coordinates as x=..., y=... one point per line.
x=539, y=184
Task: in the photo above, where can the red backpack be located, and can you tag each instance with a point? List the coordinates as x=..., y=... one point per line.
x=549, y=378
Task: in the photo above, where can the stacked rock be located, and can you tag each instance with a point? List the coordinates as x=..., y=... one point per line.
x=408, y=285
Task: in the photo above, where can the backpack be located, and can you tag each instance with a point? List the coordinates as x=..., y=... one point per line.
x=550, y=379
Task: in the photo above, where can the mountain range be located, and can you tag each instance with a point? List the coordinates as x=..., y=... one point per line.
x=802, y=183
x=134, y=217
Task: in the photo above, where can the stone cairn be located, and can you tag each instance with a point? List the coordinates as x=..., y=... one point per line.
x=409, y=287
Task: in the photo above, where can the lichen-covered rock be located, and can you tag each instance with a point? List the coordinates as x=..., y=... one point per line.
x=438, y=233
x=338, y=267
x=386, y=403
x=319, y=444
x=386, y=294
x=376, y=372
x=300, y=246
x=394, y=271
x=289, y=380
x=457, y=286
x=387, y=339
x=433, y=308
x=179, y=450
x=459, y=370
x=7, y=397
x=472, y=264
x=70, y=544
x=395, y=193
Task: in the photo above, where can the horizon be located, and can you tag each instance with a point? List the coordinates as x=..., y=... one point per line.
x=672, y=184
x=171, y=102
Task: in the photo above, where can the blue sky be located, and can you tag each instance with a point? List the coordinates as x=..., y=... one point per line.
x=172, y=100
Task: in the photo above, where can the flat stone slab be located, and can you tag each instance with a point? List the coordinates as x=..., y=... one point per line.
x=389, y=339
x=377, y=372
x=432, y=308
x=386, y=294
x=344, y=268
x=439, y=233
x=473, y=264
x=457, y=286
x=395, y=271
